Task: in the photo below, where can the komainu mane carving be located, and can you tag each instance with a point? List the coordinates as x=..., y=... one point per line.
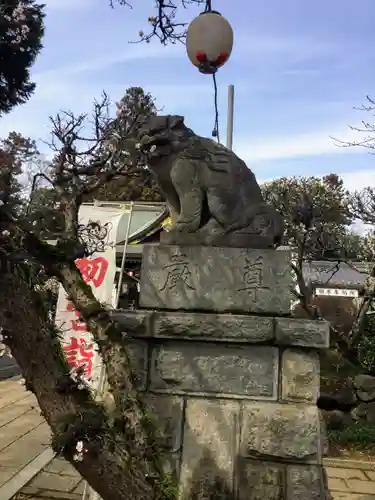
x=213, y=196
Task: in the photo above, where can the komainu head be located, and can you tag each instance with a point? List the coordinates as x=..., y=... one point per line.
x=161, y=136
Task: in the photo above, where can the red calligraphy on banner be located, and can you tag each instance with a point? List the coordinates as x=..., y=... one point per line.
x=76, y=324
x=80, y=355
x=93, y=270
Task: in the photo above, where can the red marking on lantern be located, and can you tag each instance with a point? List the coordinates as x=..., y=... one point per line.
x=201, y=57
x=223, y=57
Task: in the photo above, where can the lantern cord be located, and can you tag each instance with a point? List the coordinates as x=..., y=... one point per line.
x=215, y=132
x=208, y=6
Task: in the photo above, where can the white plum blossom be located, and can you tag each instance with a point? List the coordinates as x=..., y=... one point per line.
x=78, y=457
x=80, y=452
x=17, y=29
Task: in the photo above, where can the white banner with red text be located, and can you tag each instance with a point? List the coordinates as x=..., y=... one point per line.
x=99, y=271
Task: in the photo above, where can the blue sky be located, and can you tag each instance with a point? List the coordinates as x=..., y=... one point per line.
x=298, y=68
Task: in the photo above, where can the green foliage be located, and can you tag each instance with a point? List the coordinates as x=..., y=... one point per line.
x=315, y=210
x=21, y=32
x=15, y=151
x=138, y=187
x=359, y=435
x=366, y=353
x=168, y=489
x=44, y=213
x=357, y=247
x=362, y=204
x=134, y=107
x=366, y=346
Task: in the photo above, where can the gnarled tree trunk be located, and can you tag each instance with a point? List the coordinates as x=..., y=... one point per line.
x=121, y=460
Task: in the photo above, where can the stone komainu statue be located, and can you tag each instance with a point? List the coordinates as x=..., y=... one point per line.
x=213, y=197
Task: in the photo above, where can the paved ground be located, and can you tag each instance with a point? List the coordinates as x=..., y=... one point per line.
x=57, y=481
x=351, y=480
x=25, y=455
x=27, y=461
x=24, y=435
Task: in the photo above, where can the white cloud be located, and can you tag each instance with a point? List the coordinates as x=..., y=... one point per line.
x=355, y=181
x=102, y=61
x=32, y=119
x=297, y=146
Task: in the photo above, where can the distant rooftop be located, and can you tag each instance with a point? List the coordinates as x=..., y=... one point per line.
x=333, y=274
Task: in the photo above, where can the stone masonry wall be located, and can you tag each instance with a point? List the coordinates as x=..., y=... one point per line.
x=234, y=393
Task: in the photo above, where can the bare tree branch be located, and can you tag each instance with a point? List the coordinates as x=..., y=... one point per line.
x=367, y=128
x=90, y=151
x=164, y=24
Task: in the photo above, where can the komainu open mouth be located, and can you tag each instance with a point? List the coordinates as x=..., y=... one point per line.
x=147, y=141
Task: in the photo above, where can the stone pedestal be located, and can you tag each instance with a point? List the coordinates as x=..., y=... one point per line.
x=232, y=380
x=215, y=279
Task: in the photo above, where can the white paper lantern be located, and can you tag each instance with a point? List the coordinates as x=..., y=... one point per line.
x=209, y=42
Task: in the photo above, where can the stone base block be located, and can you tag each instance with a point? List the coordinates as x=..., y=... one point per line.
x=281, y=432
x=302, y=332
x=300, y=376
x=209, y=452
x=224, y=328
x=264, y=480
x=167, y=414
x=216, y=279
x=260, y=480
x=215, y=370
x=306, y=483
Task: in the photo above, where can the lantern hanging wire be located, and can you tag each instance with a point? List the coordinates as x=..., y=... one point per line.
x=206, y=66
x=215, y=130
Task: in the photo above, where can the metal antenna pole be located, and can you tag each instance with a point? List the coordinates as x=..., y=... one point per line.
x=123, y=260
x=230, y=117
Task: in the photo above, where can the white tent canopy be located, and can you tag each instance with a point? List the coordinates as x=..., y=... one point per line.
x=140, y=215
